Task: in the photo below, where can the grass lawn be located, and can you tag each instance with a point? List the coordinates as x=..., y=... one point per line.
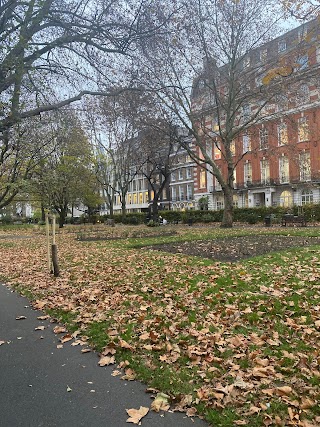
x=238, y=344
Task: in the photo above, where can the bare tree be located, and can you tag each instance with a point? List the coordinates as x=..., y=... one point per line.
x=302, y=9
x=212, y=76
x=158, y=144
x=53, y=52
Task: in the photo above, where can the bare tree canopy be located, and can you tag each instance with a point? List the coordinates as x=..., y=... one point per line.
x=302, y=9
x=52, y=52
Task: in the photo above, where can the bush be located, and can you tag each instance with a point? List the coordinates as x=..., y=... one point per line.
x=7, y=219
x=152, y=223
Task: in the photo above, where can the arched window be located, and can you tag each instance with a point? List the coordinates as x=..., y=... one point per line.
x=306, y=196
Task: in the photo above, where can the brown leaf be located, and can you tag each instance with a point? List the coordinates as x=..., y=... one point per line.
x=106, y=360
x=124, y=344
x=43, y=317
x=136, y=414
x=160, y=403
x=307, y=403
x=130, y=375
x=66, y=338
x=59, y=329
x=20, y=317
x=284, y=391
x=40, y=328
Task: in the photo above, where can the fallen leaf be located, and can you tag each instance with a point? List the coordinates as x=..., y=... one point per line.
x=66, y=338
x=85, y=350
x=160, y=403
x=69, y=389
x=284, y=391
x=124, y=344
x=40, y=328
x=106, y=360
x=2, y=342
x=20, y=317
x=136, y=414
x=59, y=329
x=43, y=317
x=130, y=375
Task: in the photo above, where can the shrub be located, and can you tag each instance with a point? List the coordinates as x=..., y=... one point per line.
x=152, y=223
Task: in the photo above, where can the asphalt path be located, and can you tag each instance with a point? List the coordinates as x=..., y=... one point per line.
x=44, y=386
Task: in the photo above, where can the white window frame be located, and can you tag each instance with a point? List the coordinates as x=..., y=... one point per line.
x=284, y=171
x=305, y=166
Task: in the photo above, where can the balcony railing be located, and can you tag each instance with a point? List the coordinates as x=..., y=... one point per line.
x=314, y=179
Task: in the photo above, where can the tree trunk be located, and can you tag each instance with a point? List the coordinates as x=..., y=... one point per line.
x=62, y=217
x=155, y=209
x=123, y=209
x=43, y=214
x=227, y=219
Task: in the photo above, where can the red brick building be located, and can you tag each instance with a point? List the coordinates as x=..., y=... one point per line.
x=279, y=155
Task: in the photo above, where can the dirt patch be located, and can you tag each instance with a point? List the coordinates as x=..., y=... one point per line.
x=234, y=249
x=132, y=236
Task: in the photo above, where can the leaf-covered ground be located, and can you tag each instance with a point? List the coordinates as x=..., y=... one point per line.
x=237, y=343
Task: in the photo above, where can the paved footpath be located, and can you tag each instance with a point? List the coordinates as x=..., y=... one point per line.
x=35, y=376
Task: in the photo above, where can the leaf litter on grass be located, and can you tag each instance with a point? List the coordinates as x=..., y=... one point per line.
x=210, y=336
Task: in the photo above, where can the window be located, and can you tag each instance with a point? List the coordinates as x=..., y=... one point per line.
x=302, y=34
x=303, y=129
x=265, y=171
x=246, y=110
x=282, y=102
x=303, y=95
x=217, y=150
x=306, y=197
x=181, y=193
x=220, y=204
x=247, y=173
x=129, y=199
x=202, y=178
x=264, y=55
x=180, y=174
x=217, y=185
x=189, y=192
x=233, y=148
x=263, y=134
x=282, y=134
x=246, y=143
x=282, y=46
x=235, y=200
x=189, y=173
x=135, y=198
x=146, y=197
x=140, y=198
x=173, y=176
x=305, y=166
x=235, y=178
x=301, y=63
x=283, y=169
x=174, y=194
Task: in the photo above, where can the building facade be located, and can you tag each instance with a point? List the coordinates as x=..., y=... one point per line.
x=278, y=157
